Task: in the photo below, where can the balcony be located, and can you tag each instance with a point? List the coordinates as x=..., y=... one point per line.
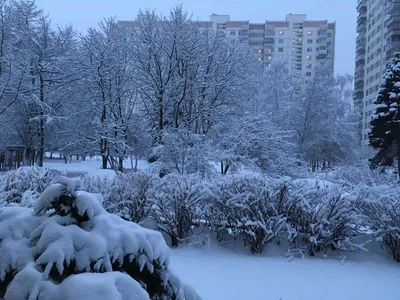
x=360, y=58
x=359, y=74
x=392, y=33
x=361, y=28
x=360, y=47
x=359, y=84
x=395, y=45
x=361, y=40
x=359, y=68
x=360, y=63
x=358, y=94
x=362, y=5
x=361, y=19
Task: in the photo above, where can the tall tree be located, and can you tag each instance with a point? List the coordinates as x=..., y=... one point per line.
x=384, y=135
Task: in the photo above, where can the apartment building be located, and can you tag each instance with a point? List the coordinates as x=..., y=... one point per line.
x=303, y=43
x=378, y=28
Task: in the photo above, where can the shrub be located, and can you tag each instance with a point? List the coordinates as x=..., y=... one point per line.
x=69, y=243
x=126, y=195
x=382, y=208
x=245, y=208
x=176, y=202
x=24, y=185
x=319, y=217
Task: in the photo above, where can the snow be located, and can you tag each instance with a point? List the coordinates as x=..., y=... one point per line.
x=112, y=285
x=104, y=237
x=220, y=274
x=92, y=167
x=35, y=245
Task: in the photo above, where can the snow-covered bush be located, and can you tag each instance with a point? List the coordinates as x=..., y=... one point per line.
x=184, y=152
x=126, y=195
x=245, y=207
x=61, y=246
x=176, y=204
x=350, y=176
x=24, y=185
x=381, y=206
x=319, y=216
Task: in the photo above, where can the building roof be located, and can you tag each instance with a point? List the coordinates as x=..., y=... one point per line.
x=255, y=26
x=277, y=24
x=237, y=24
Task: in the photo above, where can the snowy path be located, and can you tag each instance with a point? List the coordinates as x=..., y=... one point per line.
x=219, y=274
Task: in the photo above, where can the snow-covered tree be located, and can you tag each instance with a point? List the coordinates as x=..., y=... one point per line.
x=324, y=123
x=385, y=122
x=69, y=244
x=107, y=95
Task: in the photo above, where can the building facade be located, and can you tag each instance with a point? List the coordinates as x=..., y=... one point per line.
x=378, y=28
x=301, y=42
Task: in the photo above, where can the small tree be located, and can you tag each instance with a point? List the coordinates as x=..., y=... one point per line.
x=69, y=243
x=385, y=123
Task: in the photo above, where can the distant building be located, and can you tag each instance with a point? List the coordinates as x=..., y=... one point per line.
x=302, y=42
x=378, y=28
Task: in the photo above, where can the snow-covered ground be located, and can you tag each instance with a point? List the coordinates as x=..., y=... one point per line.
x=232, y=274
x=223, y=274
x=89, y=166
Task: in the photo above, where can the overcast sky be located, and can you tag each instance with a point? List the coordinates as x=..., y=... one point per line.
x=87, y=13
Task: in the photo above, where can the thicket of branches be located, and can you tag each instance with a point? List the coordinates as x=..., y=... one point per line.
x=160, y=87
x=305, y=215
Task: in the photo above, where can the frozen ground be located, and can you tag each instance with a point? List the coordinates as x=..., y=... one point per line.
x=89, y=166
x=221, y=274
x=228, y=274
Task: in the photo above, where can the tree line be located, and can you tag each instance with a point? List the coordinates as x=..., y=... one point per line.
x=162, y=88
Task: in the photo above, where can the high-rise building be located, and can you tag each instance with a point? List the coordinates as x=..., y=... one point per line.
x=378, y=28
x=302, y=42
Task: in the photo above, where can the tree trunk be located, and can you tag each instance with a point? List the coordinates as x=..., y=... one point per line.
x=104, y=162
x=398, y=161
x=41, y=122
x=226, y=168
x=136, y=163
x=174, y=241
x=161, y=118
x=26, y=157
x=120, y=164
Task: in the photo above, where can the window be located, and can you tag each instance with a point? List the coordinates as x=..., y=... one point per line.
x=308, y=66
x=310, y=32
x=269, y=32
x=309, y=41
x=280, y=49
x=259, y=51
x=308, y=57
x=280, y=41
x=233, y=33
x=308, y=73
x=309, y=49
x=281, y=32
x=269, y=57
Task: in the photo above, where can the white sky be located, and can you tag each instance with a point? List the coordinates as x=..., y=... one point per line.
x=87, y=13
